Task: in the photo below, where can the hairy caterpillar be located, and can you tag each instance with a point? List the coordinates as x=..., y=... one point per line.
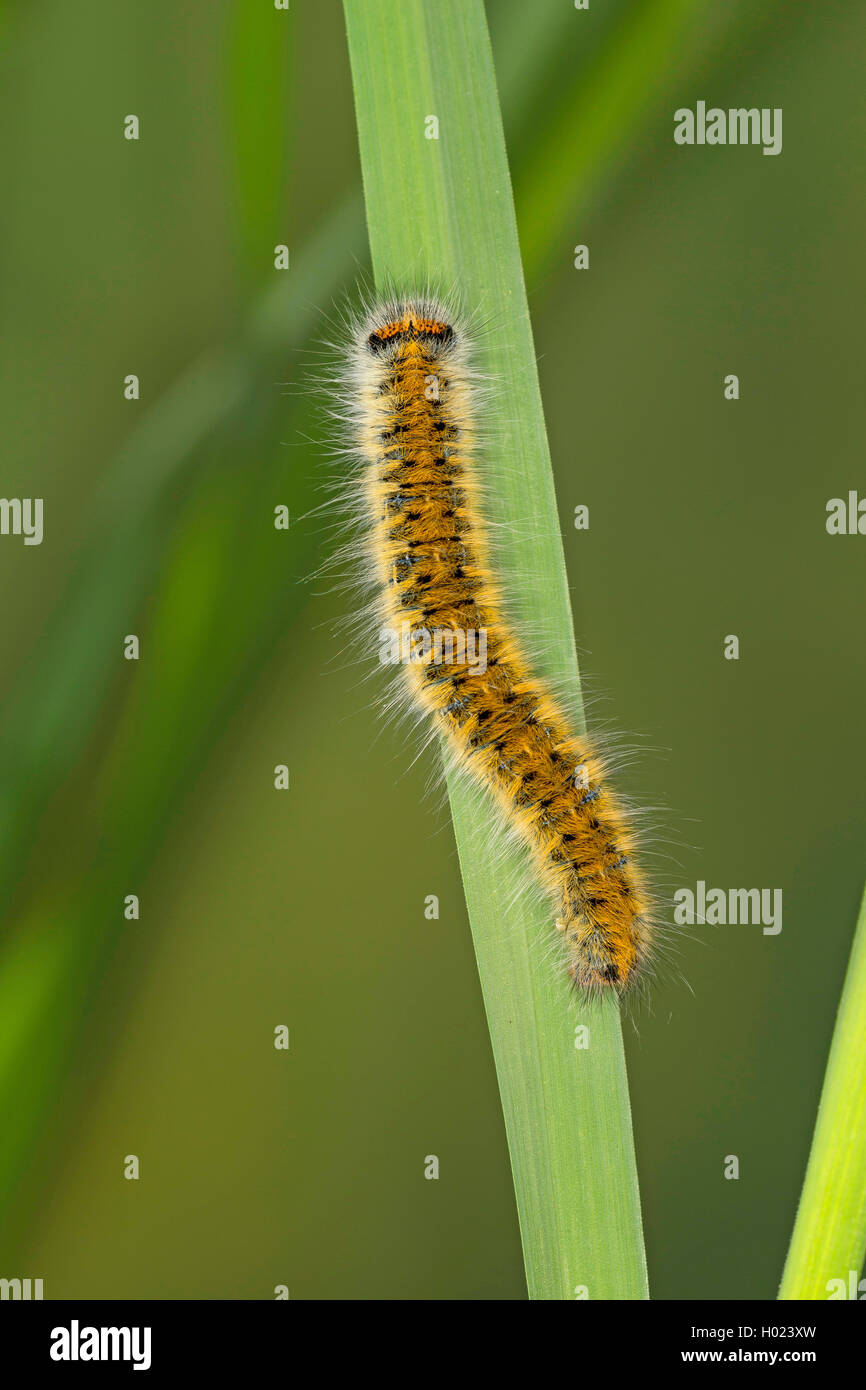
x=412, y=403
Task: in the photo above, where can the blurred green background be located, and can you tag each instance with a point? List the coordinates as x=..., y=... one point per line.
x=306, y=907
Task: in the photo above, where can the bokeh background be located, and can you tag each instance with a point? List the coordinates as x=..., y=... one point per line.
x=306, y=908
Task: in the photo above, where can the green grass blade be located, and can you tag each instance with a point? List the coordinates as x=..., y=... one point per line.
x=829, y=1239
x=444, y=208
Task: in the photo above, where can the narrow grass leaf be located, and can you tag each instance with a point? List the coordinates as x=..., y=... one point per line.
x=829, y=1239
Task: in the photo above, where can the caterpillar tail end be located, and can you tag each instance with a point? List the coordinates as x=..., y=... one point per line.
x=597, y=965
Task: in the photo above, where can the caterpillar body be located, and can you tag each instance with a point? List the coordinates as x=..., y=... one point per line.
x=412, y=402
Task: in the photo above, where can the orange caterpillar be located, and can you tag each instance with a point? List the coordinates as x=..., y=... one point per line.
x=410, y=396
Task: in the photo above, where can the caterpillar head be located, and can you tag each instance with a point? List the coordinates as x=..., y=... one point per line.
x=410, y=324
